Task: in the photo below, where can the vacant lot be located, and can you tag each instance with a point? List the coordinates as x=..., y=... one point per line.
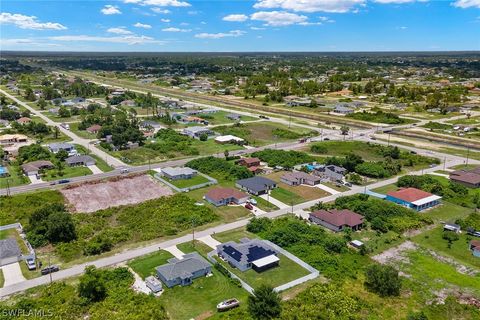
x=91, y=197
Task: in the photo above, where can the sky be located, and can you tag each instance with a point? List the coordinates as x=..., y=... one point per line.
x=241, y=25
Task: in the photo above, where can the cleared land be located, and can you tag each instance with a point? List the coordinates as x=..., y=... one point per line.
x=91, y=197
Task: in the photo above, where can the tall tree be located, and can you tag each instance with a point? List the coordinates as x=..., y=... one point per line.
x=264, y=304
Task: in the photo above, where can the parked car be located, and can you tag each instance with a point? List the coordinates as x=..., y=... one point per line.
x=124, y=170
x=326, y=139
x=253, y=201
x=263, y=117
x=348, y=184
x=63, y=181
x=228, y=304
x=49, y=270
x=30, y=262
x=249, y=206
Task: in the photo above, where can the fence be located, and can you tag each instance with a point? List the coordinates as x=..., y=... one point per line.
x=13, y=259
x=211, y=181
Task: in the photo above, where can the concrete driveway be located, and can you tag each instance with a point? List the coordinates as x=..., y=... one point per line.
x=209, y=241
x=177, y=253
x=94, y=169
x=12, y=273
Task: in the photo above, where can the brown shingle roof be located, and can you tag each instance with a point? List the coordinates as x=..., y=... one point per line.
x=339, y=218
x=468, y=176
x=218, y=194
x=409, y=194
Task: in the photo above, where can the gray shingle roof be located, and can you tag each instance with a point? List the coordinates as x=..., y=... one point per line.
x=256, y=183
x=183, y=268
x=9, y=248
x=80, y=159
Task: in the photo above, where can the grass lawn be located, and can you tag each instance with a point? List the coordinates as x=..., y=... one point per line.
x=264, y=205
x=199, y=300
x=304, y=192
x=335, y=187
x=81, y=133
x=378, y=242
x=210, y=146
x=386, y=189
x=145, y=266
x=185, y=183
x=287, y=271
x=448, y=212
x=100, y=163
x=464, y=167
x=234, y=235
x=2, y=279
x=68, y=172
x=286, y=196
x=188, y=247
x=16, y=178
x=459, y=250
x=220, y=117
x=366, y=150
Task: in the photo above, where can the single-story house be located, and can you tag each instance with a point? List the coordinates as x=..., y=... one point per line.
x=299, y=178
x=9, y=251
x=253, y=254
x=196, y=132
x=475, y=247
x=149, y=123
x=256, y=185
x=413, y=198
x=8, y=139
x=249, y=162
x=128, y=103
x=94, y=129
x=56, y=147
x=183, y=271
x=469, y=178
x=330, y=172
x=80, y=160
x=233, y=116
x=337, y=220
x=32, y=168
x=229, y=139
x=224, y=196
x=178, y=173
x=24, y=120
x=343, y=110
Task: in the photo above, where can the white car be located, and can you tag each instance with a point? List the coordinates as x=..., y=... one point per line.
x=30, y=262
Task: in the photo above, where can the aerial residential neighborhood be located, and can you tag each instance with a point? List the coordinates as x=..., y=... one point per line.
x=253, y=160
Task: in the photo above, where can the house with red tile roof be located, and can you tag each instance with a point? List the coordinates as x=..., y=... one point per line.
x=249, y=162
x=23, y=120
x=337, y=220
x=224, y=196
x=94, y=128
x=414, y=198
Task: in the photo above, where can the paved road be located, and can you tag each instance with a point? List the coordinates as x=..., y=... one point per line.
x=137, y=252
x=76, y=139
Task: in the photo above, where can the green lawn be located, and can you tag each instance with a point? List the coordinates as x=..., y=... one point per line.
x=210, y=147
x=220, y=117
x=100, y=163
x=286, y=196
x=188, y=247
x=234, y=235
x=16, y=177
x=264, y=205
x=185, y=183
x=459, y=250
x=334, y=186
x=448, y=212
x=201, y=297
x=2, y=279
x=145, y=266
x=386, y=189
x=81, y=133
x=366, y=150
x=68, y=172
x=287, y=271
x=378, y=242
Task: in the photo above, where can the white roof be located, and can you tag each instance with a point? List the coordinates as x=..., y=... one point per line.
x=228, y=138
x=265, y=261
x=426, y=200
x=357, y=243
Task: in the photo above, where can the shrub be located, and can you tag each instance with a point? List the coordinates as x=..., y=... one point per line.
x=383, y=280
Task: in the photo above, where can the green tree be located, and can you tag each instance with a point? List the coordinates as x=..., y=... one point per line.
x=60, y=227
x=42, y=104
x=29, y=95
x=264, y=304
x=383, y=280
x=61, y=155
x=344, y=130
x=92, y=285
x=203, y=137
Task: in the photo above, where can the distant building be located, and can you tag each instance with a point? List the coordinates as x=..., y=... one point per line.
x=249, y=254
x=196, y=132
x=299, y=178
x=94, y=129
x=56, y=147
x=256, y=185
x=414, y=198
x=34, y=167
x=229, y=139
x=153, y=284
x=233, y=116
x=8, y=139
x=225, y=196
x=183, y=271
x=249, y=162
x=4, y=172
x=343, y=110
x=24, y=120
x=469, y=178
x=337, y=220
x=80, y=160
x=330, y=172
x=179, y=173
x=475, y=247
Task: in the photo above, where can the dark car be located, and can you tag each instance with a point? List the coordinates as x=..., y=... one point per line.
x=63, y=181
x=50, y=269
x=326, y=139
x=263, y=117
x=249, y=206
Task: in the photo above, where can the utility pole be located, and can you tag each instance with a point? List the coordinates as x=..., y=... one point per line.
x=8, y=187
x=444, y=163
x=291, y=203
x=193, y=232
x=468, y=154
x=388, y=144
x=49, y=267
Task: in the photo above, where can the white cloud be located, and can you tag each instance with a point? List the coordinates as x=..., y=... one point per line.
x=278, y=18
x=233, y=33
x=394, y=1
x=119, y=30
x=402, y=28
x=184, y=24
x=142, y=25
x=172, y=29
x=160, y=10
x=131, y=40
x=257, y=28
x=165, y=20
x=467, y=4
x=235, y=18
x=310, y=5
x=132, y=1
x=165, y=3
x=109, y=10
x=28, y=22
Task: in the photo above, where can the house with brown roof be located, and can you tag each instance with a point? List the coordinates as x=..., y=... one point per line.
x=299, y=178
x=24, y=120
x=469, y=178
x=475, y=247
x=413, y=198
x=337, y=220
x=33, y=168
x=249, y=162
x=94, y=128
x=224, y=196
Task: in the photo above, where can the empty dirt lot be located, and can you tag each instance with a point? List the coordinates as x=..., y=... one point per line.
x=91, y=197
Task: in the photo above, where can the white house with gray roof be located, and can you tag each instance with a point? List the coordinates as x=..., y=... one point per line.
x=179, y=173
x=253, y=254
x=56, y=147
x=183, y=271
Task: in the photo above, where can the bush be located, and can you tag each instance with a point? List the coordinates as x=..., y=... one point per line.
x=264, y=304
x=318, y=148
x=219, y=167
x=383, y=280
x=286, y=159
